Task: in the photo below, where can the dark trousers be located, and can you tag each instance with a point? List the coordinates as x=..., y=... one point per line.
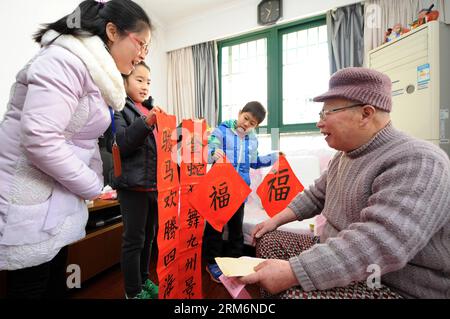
x=140, y=220
x=213, y=245
x=45, y=281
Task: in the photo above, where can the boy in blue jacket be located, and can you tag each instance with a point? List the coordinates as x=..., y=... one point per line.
x=235, y=139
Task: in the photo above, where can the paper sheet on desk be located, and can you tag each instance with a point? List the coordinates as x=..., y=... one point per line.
x=237, y=267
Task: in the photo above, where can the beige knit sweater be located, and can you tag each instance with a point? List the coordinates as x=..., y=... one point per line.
x=386, y=203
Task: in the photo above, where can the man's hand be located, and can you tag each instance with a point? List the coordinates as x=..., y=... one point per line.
x=273, y=275
x=262, y=228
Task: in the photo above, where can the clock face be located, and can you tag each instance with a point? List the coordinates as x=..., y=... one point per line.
x=269, y=11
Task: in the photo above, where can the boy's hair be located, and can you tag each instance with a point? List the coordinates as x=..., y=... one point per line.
x=256, y=109
x=125, y=76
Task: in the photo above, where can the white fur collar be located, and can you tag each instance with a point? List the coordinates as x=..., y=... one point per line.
x=99, y=62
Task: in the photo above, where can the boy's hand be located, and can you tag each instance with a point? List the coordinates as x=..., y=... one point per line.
x=218, y=154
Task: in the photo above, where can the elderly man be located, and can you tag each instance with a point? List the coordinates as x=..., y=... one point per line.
x=386, y=198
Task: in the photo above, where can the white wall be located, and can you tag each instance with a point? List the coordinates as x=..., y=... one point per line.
x=20, y=19
x=239, y=17
x=236, y=18
x=157, y=60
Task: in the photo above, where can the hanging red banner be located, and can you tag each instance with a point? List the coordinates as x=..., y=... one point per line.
x=190, y=274
x=279, y=187
x=194, y=148
x=180, y=225
x=168, y=206
x=191, y=224
x=219, y=195
x=166, y=141
x=168, y=228
x=193, y=151
x=168, y=282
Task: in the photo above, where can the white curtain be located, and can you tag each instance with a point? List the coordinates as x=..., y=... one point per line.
x=181, y=84
x=345, y=36
x=206, y=97
x=383, y=14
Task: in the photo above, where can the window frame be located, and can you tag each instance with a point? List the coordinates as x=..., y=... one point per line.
x=274, y=38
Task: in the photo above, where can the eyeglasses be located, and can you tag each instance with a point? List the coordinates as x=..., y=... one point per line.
x=323, y=114
x=143, y=47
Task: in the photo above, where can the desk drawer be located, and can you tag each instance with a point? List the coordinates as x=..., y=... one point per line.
x=98, y=251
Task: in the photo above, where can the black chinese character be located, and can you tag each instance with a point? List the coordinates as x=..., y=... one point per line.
x=188, y=291
x=170, y=257
x=167, y=141
x=223, y=197
x=192, y=242
x=195, y=144
x=281, y=191
x=193, y=218
x=169, y=201
x=196, y=169
x=191, y=263
x=168, y=285
x=170, y=228
x=169, y=170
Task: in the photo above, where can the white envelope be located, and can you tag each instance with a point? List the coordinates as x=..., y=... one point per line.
x=237, y=267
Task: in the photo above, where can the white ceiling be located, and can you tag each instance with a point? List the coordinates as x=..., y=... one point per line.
x=169, y=12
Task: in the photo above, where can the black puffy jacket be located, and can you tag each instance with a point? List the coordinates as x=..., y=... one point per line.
x=137, y=148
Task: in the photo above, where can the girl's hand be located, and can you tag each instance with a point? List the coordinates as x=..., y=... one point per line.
x=151, y=117
x=159, y=109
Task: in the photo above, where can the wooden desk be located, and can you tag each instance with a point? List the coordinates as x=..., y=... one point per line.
x=101, y=247
x=100, y=204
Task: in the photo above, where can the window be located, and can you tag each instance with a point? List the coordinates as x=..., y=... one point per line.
x=243, y=64
x=283, y=67
x=305, y=73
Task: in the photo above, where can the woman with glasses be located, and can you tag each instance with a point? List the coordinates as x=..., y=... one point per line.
x=49, y=160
